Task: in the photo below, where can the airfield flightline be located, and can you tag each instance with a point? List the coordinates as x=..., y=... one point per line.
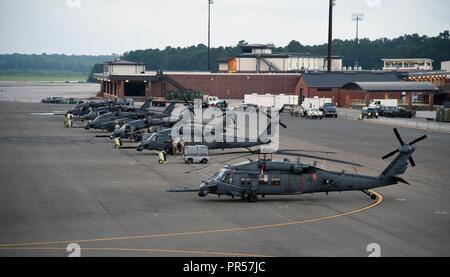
x=62, y=186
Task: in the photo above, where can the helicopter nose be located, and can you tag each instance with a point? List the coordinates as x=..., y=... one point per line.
x=204, y=190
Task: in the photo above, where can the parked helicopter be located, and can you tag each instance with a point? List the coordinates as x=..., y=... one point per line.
x=135, y=130
x=267, y=177
x=108, y=121
x=163, y=140
x=85, y=108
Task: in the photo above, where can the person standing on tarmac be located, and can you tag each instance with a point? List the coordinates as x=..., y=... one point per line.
x=175, y=147
x=68, y=120
x=117, y=139
x=162, y=157
x=182, y=146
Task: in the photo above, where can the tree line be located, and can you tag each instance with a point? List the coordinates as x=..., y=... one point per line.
x=195, y=58
x=44, y=63
x=367, y=52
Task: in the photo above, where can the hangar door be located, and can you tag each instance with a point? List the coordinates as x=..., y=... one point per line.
x=136, y=89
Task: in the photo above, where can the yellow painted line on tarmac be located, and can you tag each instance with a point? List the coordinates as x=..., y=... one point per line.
x=143, y=250
x=204, y=232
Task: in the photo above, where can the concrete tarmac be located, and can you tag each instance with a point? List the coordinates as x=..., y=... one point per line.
x=62, y=186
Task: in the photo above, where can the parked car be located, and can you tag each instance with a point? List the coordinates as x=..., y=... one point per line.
x=246, y=108
x=329, y=110
x=314, y=114
x=381, y=109
x=398, y=112
x=53, y=100
x=222, y=105
x=370, y=113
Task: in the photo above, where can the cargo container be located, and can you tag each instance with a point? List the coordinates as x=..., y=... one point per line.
x=271, y=101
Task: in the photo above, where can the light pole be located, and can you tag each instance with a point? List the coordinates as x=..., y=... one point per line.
x=357, y=17
x=330, y=34
x=210, y=2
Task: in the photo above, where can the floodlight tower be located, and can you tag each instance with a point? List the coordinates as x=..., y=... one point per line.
x=330, y=34
x=357, y=17
x=210, y=2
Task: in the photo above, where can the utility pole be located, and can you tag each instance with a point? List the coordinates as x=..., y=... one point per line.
x=330, y=34
x=357, y=17
x=210, y=2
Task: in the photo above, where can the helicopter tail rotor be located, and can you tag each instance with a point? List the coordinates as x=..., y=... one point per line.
x=404, y=146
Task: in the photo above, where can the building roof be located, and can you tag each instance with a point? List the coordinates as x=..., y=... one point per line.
x=409, y=60
x=391, y=86
x=256, y=46
x=425, y=74
x=284, y=55
x=123, y=62
x=339, y=79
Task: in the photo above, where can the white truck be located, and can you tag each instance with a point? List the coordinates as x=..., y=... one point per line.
x=315, y=103
x=312, y=107
x=378, y=103
x=271, y=101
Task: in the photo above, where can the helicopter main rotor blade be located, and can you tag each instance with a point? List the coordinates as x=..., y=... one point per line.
x=281, y=123
x=418, y=140
x=390, y=154
x=287, y=153
x=307, y=151
x=397, y=134
x=413, y=163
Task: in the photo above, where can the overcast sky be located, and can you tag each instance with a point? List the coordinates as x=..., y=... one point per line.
x=115, y=26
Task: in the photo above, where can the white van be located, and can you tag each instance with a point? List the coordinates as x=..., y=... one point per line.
x=196, y=154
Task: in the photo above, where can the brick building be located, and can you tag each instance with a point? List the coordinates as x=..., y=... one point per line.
x=127, y=79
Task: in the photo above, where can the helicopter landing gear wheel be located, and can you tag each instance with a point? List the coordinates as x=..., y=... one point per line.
x=252, y=198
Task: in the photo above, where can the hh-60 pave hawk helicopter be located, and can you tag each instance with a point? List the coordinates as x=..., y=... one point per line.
x=163, y=141
x=85, y=108
x=108, y=121
x=267, y=177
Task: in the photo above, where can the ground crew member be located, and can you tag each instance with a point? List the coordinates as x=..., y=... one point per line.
x=116, y=132
x=182, y=146
x=117, y=139
x=360, y=117
x=66, y=120
x=70, y=120
x=118, y=142
x=162, y=157
x=174, y=147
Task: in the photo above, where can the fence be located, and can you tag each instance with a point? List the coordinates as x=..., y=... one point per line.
x=413, y=123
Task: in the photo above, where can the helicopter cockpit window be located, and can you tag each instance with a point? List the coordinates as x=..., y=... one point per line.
x=161, y=139
x=227, y=178
x=263, y=180
x=152, y=138
x=276, y=181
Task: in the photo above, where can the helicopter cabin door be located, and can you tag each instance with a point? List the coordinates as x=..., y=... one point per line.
x=293, y=184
